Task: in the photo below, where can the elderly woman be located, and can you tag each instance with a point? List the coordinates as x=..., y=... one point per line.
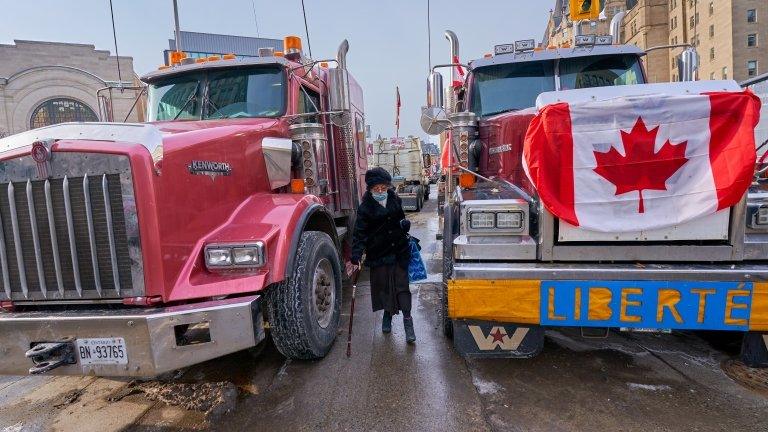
x=381, y=233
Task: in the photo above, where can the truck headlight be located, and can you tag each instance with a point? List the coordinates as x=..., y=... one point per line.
x=482, y=220
x=761, y=218
x=235, y=256
x=509, y=220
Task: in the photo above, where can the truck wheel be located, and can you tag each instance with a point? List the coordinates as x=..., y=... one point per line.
x=304, y=310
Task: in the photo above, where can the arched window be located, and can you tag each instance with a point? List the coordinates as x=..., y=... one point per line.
x=61, y=110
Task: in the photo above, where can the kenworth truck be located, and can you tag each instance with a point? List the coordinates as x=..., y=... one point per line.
x=516, y=262
x=137, y=249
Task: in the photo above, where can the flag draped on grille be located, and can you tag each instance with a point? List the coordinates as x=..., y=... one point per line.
x=642, y=163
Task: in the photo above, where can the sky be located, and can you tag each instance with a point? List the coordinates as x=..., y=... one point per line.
x=388, y=38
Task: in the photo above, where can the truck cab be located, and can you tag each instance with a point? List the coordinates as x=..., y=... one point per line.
x=136, y=249
x=513, y=267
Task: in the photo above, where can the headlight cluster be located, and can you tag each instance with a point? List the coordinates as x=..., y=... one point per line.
x=235, y=256
x=511, y=220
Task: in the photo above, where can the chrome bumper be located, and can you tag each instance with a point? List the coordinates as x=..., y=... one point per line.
x=597, y=271
x=152, y=337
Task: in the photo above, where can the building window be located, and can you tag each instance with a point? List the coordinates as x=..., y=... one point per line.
x=711, y=75
x=751, y=16
x=712, y=53
x=711, y=8
x=752, y=68
x=752, y=40
x=61, y=110
x=725, y=73
x=712, y=30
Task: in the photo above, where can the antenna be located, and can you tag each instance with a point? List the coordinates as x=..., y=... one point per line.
x=255, y=18
x=429, y=39
x=306, y=28
x=114, y=37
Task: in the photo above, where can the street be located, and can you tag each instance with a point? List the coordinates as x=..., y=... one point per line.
x=627, y=381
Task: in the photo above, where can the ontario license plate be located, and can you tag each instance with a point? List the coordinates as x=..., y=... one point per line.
x=102, y=351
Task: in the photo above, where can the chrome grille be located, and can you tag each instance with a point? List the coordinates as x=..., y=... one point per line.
x=72, y=236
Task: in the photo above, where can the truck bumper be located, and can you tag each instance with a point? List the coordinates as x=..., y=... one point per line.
x=730, y=297
x=155, y=340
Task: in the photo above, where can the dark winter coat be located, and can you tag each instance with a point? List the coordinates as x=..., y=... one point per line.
x=378, y=232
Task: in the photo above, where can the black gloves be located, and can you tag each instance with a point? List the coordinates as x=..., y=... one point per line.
x=405, y=224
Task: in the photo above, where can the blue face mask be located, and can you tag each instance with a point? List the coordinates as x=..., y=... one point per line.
x=379, y=196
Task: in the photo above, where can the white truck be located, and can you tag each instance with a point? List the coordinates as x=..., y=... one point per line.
x=404, y=159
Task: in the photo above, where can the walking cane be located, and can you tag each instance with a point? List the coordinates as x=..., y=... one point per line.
x=352, y=309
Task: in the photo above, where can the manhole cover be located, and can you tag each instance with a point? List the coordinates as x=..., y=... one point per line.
x=753, y=379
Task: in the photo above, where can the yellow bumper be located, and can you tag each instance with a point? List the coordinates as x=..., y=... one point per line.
x=520, y=302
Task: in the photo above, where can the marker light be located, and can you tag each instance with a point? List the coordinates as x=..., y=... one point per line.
x=297, y=186
x=229, y=56
x=292, y=44
x=279, y=54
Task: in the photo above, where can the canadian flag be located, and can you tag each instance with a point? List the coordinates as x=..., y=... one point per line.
x=642, y=163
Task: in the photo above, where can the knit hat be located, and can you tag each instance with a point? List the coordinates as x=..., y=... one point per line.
x=376, y=176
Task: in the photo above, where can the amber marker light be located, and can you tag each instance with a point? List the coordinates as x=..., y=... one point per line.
x=229, y=56
x=214, y=58
x=279, y=54
x=467, y=180
x=201, y=60
x=292, y=44
x=297, y=186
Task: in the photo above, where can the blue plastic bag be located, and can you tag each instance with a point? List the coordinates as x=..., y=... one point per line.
x=416, y=269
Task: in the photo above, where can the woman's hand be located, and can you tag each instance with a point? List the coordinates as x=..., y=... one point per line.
x=405, y=224
x=352, y=268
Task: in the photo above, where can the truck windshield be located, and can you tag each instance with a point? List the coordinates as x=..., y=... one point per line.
x=231, y=93
x=600, y=71
x=510, y=87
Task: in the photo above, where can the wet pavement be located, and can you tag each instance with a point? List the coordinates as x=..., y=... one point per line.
x=627, y=382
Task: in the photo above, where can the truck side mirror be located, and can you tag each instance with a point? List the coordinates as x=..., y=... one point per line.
x=434, y=120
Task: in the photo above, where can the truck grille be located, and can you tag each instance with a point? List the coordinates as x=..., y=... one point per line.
x=67, y=238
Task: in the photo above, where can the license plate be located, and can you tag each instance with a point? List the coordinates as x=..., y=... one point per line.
x=102, y=351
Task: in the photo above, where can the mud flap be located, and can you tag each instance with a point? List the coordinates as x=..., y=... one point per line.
x=754, y=350
x=485, y=339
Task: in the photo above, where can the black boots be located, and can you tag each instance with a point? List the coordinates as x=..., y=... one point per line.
x=410, y=333
x=386, y=323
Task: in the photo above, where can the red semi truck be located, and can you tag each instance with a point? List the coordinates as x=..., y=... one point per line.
x=137, y=249
x=550, y=224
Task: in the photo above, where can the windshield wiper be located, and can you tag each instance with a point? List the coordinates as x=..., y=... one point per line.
x=191, y=97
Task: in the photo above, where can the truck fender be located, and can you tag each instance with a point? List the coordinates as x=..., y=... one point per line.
x=314, y=218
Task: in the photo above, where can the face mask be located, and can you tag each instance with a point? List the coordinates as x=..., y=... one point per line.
x=379, y=196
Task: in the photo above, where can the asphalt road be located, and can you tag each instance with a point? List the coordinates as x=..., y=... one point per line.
x=627, y=382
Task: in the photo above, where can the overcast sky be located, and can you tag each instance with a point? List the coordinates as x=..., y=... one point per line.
x=388, y=38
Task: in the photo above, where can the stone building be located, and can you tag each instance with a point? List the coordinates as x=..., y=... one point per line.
x=646, y=26
x=731, y=36
x=43, y=83
x=560, y=28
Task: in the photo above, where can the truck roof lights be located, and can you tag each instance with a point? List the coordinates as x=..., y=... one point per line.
x=604, y=40
x=525, y=45
x=230, y=56
x=292, y=45
x=584, y=40
x=504, y=49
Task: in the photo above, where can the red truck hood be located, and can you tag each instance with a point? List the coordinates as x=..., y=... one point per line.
x=502, y=138
x=182, y=134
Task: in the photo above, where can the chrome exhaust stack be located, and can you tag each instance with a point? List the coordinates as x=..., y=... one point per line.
x=616, y=26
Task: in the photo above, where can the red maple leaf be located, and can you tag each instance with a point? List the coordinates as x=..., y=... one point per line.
x=640, y=168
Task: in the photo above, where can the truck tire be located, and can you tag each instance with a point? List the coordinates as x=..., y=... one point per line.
x=446, y=324
x=304, y=310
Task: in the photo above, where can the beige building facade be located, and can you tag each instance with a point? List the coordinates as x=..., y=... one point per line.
x=43, y=83
x=730, y=36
